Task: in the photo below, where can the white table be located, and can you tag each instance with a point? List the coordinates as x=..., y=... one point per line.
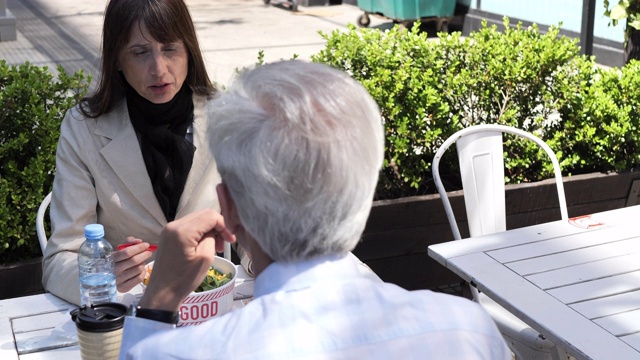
x=40, y=327
x=577, y=282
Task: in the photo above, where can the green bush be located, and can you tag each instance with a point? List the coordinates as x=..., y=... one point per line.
x=600, y=124
x=32, y=105
x=428, y=89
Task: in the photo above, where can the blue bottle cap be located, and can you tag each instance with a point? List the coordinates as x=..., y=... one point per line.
x=94, y=231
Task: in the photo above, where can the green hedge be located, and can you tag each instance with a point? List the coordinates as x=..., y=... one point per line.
x=32, y=105
x=427, y=90
x=599, y=130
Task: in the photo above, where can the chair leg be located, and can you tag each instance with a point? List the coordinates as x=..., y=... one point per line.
x=516, y=353
x=555, y=354
x=559, y=354
x=466, y=290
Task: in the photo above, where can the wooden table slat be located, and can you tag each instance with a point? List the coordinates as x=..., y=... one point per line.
x=43, y=340
x=67, y=353
x=587, y=272
x=30, y=305
x=597, y=288
x=552, y=245
x=633, y=340
x=39, y=322
x=488, y=243
x=574, y=257
x=609, y=305
x=7, y=346
x=621, y=324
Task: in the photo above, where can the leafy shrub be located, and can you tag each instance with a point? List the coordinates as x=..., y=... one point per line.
x=600, y=124
x=427, y=90
x=401, y=71
x=32, y=105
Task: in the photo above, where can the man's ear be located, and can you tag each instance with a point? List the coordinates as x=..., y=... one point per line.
x=227, y=207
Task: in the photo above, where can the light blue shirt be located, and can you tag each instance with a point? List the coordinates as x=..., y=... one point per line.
x=327, y=309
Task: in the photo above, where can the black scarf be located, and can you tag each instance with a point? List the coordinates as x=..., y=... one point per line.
x=161, y=130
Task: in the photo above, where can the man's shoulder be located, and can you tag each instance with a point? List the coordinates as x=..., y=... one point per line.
x=369, y=315
x=446, y=302
x=424, y=294
x=451, y=317
x=442, y=310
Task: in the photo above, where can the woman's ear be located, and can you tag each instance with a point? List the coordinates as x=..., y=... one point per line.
x=228, y=207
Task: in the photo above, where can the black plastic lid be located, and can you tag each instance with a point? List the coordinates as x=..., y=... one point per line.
x=99, y=318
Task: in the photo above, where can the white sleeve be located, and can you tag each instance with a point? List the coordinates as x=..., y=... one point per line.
x=137, y=329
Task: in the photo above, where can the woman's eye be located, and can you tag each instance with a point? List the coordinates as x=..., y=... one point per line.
x=140, y=53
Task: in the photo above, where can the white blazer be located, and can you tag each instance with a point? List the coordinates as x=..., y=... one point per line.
x=101, y=178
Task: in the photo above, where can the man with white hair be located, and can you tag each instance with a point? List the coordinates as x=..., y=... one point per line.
x=299, y=147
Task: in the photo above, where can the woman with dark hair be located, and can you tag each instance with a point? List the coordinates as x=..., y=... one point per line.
x=133, y=156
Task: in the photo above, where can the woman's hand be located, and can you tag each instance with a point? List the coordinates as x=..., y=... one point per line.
x=130, y=264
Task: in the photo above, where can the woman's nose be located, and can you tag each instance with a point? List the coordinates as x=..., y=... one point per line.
x=158, y=64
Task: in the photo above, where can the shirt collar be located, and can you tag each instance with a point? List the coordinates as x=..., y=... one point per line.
x=292, y=276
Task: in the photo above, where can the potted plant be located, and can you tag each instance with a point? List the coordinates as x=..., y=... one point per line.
x=628, y=10
x=33, y=102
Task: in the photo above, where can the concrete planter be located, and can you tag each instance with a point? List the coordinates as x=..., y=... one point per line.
x=399, y=231
x=21, y=279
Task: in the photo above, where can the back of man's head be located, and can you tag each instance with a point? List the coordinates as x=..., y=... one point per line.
x=299, y=146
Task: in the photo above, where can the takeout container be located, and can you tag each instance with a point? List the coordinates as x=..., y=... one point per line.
x=202, y=306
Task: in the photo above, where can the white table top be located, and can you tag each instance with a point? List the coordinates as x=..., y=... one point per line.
x=577, y=282
x=40, y=326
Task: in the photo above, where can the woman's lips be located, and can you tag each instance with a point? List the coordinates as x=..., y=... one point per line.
x=160, y=88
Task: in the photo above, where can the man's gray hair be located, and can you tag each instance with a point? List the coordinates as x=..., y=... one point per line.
x=300, y=146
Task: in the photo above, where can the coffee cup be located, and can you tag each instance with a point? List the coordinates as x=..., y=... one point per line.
x=99, y=328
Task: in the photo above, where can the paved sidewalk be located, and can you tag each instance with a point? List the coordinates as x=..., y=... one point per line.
x=231, y=32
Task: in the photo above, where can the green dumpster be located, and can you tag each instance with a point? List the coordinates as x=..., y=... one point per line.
x=404, y=11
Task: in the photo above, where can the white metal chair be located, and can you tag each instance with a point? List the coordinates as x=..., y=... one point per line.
x=42, y=235
x=481, y=159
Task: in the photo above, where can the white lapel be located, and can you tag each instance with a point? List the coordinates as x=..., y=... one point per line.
x=124, y=156
x=202, y=159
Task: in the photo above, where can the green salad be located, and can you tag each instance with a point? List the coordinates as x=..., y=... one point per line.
x=214, y=279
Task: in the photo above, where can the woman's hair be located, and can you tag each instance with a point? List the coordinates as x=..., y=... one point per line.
x=300, y=146
x=167, y=21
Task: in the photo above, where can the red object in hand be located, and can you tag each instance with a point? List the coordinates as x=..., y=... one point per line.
x=151, y=247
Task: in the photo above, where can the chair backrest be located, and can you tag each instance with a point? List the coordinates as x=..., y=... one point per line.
x=42, y=235
x=482, y=172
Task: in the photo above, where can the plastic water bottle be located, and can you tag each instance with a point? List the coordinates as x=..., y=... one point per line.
x=96, y=264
